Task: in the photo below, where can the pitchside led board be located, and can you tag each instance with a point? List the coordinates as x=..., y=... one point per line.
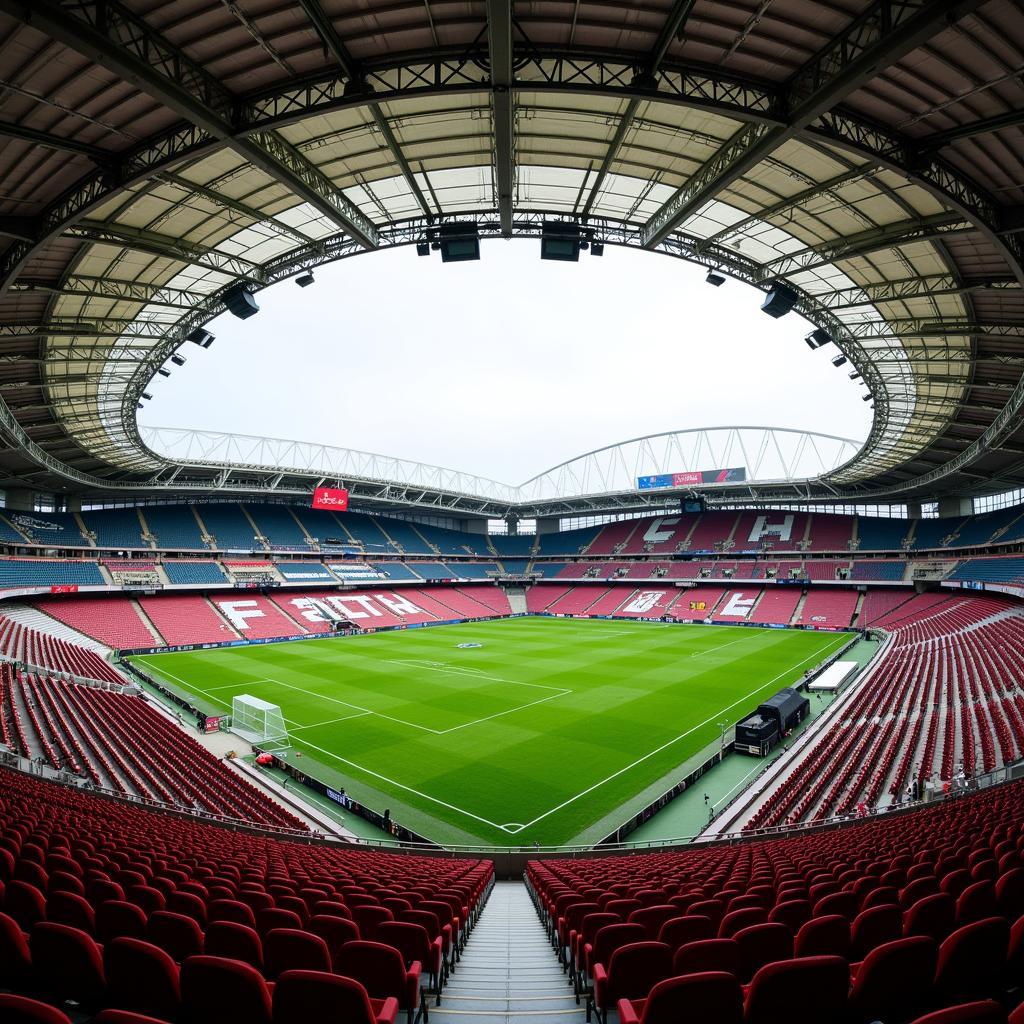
x=334, y=499
x=704, y=476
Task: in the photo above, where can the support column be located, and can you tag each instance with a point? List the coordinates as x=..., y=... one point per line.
x=548, y=524
x=512, y=523
x=954, y=506
x=914, y=510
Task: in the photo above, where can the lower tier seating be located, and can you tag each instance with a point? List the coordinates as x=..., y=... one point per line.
x=30, y=646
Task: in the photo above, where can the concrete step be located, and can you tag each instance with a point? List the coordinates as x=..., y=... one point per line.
x=508, y=971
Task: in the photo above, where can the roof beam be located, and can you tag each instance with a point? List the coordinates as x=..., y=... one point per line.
x=166, y=246
x=38, y=138
x=908, y=288
x=335, y=45
x=672, y=29
x=880, y=36
x=81, y=286
x=916, y=229
x=983, y=126
x=499, y=48
x=125, y=44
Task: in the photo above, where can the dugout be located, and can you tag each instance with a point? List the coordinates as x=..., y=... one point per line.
x=758, y=733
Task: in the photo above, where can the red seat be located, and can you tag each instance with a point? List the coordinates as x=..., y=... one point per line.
x=304, y=996
x=805, y=991
x=972, y=960
x=1010, y=893
x=234, y=941
x=678, y=931
x=985, y=1012
x=335, y=931
x=189, y=904
x=415, y=945
x=708, y=955
x=15, y=957
x=630, y=974
x=932, y=916
x=215, y=990
x=874, y=927
x=739, y=919
x=180, y=936
x=895, y=979
x=117, y=919
x=792, y=913
x=69, y=908
x=141, y=977
x=711, y=996
x=606, y=941
x=289, y=949
x=276, y=917
x=231, y=910
x=976, y=902
x=25, y=903
x=67, y=962
x=20, y=1010
x=762, y=944
x=651, y=918
x=823, y=936
x=381, y=970
x=369, y=918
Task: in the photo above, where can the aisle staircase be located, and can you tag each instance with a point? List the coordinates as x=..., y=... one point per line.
x=508, y=972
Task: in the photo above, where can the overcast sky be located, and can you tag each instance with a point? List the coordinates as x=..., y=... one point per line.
x=507, y=366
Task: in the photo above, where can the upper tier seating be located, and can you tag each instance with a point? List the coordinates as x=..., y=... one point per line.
x=935, y=533
x=113, y=621
x=477, y=570
x=322, y=525
x=362, y=572
x=194, y=572
x=771, y=531
x=136, y=752
x=878, y=534
x=368, y=532
x=521, y=547
x=818, y=569
x=996, y=570
x=912, y=911
x=277, y=524
x=830, y=532
x=407, y=538
x=661, y=535
x=549, y=570
x=947, y=692
x=453, y=542
x=32, y=647
x=229, y=525
x=613, y=537
x=115, y=528
x=567, y=542
x=174, y=526
x=712, y=530
x=432, y=571
x=133, y=572
x=186, y=619
x=54, y=529
x=40, y=572
x=8, y=534
x=988, y=526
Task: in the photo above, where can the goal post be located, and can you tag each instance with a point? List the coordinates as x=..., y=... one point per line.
x=258, y=721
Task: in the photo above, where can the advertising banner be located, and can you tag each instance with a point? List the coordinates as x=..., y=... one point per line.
x=334, y=499
x=694, y=479
x=64, y=588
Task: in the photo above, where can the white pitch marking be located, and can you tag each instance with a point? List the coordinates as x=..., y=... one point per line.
x=682, y=735
x=499, y=714
x=711, y=650
x=332, y=721
x=461, y=670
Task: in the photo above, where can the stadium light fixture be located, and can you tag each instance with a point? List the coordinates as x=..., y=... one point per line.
x=854, y=375
x=779, y=300
x=560, y=241
x=817, y=338
x=146, y=396
x=715, y=279
x=839, y=360
x=868, y=397
x=597, y=248
x=178, y=360
x=305, y=280
x=200, y=337
x=423, y=248
x=459, y=242
x=164, y=372
x=240, y=301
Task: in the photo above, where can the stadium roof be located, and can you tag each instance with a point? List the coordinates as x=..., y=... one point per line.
x=870, y=154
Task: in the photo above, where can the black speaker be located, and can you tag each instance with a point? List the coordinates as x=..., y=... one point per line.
x=779, y=301
x=240, y=301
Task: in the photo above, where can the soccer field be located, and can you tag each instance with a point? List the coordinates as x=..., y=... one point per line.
x=542, y=734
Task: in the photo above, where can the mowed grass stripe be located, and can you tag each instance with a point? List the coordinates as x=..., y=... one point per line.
x=467, y=743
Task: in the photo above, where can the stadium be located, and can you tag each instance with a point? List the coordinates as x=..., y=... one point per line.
x=714, y=724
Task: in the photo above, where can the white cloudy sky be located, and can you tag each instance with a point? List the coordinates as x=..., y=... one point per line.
x=507, y=366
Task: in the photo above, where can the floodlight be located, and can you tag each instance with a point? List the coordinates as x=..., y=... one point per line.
x=422, y=248
x=305, y=280
x=818, y=337
x=867, y=397
x=779, y=300
x=146, y=396
x=560, y=240
x=839, y=360
x=854, y=375
x=459, y=242
x=178, y=360
x=200, y=337
x=715, y=279
x=597, y=248
x=240, y=301
x=164, y=372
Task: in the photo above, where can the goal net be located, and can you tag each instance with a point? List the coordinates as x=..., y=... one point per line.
x=258, y=721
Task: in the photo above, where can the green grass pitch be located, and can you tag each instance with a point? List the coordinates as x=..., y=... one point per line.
x=544, y=732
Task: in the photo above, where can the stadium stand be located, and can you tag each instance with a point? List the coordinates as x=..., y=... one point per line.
x=995, y=570
x=194, y=572
x=433, y=570
x=10, y=535
x=688, y=606
x=658, y=536
x=53, y=529
x=830, y=532
x=278, y=526
x=541, y=599
x=366, y=531
x=777, y=605
x=229, y=526
x=516, y=547
x=323, y=526
x=577, y=600
x=29, y=646
x=442, y=541
x=174, y=527
x=828, y=606
x=355, y=572
x=986, y=527
x=187, y=619
x=15, y=572
x=884, y=888
x=881, y=603
x=738, y=606
x=613, y=537
x=879, y=534
x=889, y=571
x=817, y=569
x=113, y=621
x=478, y=570
x=115, y=528
x=548, y=570
x=713, y=531
x=648, y=603
x=935, y=533
x=297, y=572
x=407, y=538
x=566, y=542
x=254, y=616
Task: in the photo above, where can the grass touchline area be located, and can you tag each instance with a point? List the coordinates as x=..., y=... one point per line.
x=442, y=736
